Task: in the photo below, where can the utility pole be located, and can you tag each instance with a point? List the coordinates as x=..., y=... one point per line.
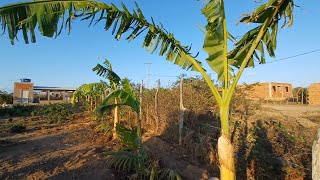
x=148, y=73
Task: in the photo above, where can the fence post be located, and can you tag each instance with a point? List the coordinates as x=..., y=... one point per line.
x=182, y=109
x=156, y=106
x=316, y=157
x=302, y=97
x=140, y=110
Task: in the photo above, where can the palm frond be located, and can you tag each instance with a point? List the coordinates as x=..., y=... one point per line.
x=126, y=100
x=169, y=174
x=265, y=11
x=121, y=160
x=129, y=137
x=47, y=15
x=269, y=40
x=134, y=157
x=126, y=86
x=106, y=71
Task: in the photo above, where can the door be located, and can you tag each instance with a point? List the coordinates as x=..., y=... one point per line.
x=25, y=97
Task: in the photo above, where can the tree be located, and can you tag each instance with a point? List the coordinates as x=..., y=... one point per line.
x=229, y=65
x=5, y=97
x=301, y=94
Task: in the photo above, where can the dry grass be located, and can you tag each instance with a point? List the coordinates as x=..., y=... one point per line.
x=266, y=147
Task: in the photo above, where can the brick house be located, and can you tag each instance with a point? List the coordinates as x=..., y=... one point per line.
x=25, y=92
x=271, y=91
x=314, y=94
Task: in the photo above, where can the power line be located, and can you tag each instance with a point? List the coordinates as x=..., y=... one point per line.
x=290, y=57
x=282, y=59
x=148, y=73
x=161, y=75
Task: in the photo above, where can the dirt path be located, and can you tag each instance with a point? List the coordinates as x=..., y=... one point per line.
x=65, y=151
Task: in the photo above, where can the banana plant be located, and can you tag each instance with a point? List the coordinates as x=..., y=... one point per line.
x=228, y=65
x=121, y=93
x=134, y=157
x=90, y=94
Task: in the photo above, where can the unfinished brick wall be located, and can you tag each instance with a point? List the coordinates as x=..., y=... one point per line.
x=19, y=88
x=281, y=90
x=260, y=91
x=272, y=91
x=314, y=94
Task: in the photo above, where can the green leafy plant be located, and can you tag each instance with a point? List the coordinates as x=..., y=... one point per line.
x=121, y=93
x=5, y=97
x=90, y=95
x=228, y=65
x=104, y=127
x=17, y=110
x=134, y=158
x=53, y=113
x=16, y=127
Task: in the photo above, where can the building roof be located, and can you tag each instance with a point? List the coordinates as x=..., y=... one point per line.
x=54, y=88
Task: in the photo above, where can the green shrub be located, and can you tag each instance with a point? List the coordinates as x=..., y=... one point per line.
x=5, y=97
x=16, y=127
x=17, y=111
x=54, y=113
x=133, y=158
x=104, y=127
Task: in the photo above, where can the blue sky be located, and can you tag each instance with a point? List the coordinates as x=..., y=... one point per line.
x=68, y=60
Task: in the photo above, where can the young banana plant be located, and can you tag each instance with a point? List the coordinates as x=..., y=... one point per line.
x=229, y=65
x=121, y=93
x=89, y=94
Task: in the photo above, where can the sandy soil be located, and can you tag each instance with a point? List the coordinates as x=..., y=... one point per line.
x=64, y=151
x=306, y=116
x=73, y=151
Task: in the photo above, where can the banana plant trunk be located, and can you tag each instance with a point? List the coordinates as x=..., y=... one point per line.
x=116, y=119
x=225, y=148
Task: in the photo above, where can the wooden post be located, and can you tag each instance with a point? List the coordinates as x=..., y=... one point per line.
x=116, y=119
x=302, y=96
x=316, y=157
x=63, y=95
x=48, y=95
x=91, y=103
x=140, y=111
x=156, y=106
x=307, y=98
x=182, y=109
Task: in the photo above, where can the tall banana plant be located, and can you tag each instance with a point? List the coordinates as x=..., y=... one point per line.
x=229, y=65
x=121, y=93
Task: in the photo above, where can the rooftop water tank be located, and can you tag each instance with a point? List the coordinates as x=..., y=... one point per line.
x=25, y=80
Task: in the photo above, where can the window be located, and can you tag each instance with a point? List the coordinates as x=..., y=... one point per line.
x=274, y=88
x=287, y=89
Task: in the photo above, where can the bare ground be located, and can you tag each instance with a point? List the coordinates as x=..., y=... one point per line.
x=64, y=151
x=307, y=117
x=73, y=151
